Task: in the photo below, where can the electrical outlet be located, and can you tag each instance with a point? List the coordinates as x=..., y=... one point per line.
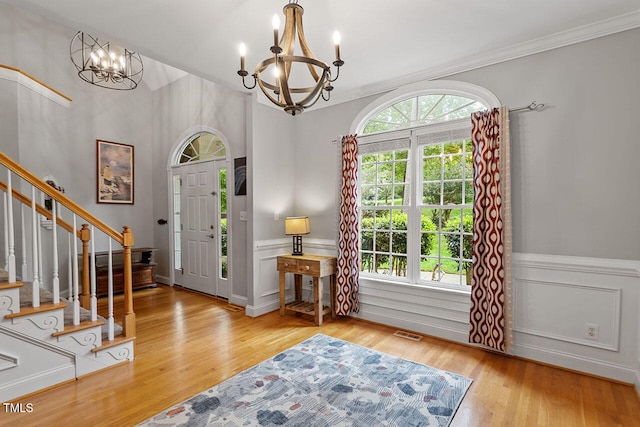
x=591, y=331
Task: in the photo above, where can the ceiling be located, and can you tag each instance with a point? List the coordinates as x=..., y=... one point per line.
x=384, y=43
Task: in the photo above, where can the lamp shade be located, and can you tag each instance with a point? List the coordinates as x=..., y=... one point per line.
x=296, y=225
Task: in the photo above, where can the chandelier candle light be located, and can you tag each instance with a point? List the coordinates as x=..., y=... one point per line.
x=280, y=90
x=104, y=64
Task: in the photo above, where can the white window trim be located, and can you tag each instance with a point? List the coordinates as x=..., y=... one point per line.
x=452, y=87
x=439, y=132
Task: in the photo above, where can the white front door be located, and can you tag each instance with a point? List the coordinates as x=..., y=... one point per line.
x=199, y=220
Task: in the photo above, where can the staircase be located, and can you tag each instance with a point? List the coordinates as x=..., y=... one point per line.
x=51, y=334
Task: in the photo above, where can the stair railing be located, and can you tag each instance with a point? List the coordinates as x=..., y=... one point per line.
x=82, y=291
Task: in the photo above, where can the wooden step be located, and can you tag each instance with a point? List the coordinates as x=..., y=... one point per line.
x=26, y=311
x=116, y=341
x=85, y=324
x=7, y=285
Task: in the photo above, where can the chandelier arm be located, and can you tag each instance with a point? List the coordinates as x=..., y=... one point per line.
x=285, y=93
x=304, y=46
x=289, y=34
x=268, y=94
x=317, y=89
x=255, y=80
x=337, y=75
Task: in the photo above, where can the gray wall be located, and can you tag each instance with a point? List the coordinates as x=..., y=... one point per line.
x=575, y=175
x=179, y=110
x=574, y=165
x=61, y=142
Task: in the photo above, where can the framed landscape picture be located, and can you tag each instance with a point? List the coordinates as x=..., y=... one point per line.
x=115, y=172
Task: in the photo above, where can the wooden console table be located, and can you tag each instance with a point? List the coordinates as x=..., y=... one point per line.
x=317, y=266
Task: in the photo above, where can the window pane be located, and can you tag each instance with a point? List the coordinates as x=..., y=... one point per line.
x=452, y=193
x=421, y=110
x=401, y=195
x=432, y=168
x=468, y=166
x=468, y=192
x=385, y=192
x=203, y=147
x=368, y=173
x=432, y=193
x=368, y=195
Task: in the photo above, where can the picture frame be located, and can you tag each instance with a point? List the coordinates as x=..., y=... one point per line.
x=115, y=172
x=240, y=176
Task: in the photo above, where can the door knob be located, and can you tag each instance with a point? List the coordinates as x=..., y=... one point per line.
x=211, y=236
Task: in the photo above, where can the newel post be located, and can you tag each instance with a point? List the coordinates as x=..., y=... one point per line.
x=85, y=294
x=129, y=320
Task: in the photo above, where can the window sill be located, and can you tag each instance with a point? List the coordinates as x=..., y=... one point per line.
x=413, y=288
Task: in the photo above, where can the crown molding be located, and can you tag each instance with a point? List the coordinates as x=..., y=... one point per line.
x=580, y=34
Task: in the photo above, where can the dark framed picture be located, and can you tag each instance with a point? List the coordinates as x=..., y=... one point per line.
x=115, y=172
x=240, y=176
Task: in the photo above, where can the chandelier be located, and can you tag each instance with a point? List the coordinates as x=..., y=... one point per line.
x=104, y=64
x=288, y=90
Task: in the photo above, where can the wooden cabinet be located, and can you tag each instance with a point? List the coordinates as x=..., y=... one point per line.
x=317, y=266
x=143, y=272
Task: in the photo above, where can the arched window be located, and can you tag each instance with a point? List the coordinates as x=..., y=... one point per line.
x=416, y=184
x=203, y=146
x=421, y=110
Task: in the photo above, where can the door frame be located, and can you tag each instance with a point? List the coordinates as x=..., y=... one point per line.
x=172, y=163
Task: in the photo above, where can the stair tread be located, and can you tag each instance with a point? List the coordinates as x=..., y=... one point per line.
x=85, y=324
x=7, y=285
x=25, y=311
x=116, y=341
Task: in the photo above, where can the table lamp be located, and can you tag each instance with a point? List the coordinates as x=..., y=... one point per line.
x=296, y=226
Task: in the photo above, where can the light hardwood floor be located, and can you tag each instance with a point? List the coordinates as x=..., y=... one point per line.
x=188, y=342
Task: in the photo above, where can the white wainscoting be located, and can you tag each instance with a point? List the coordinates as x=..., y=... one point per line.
x=553, y=298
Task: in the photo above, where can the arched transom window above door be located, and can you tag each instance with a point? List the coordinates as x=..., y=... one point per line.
x=203, y=146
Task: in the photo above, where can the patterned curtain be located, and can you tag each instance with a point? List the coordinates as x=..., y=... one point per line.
x=491, y=279
x=348, y=231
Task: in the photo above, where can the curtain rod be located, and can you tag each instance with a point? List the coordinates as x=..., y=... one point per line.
x=534, y=106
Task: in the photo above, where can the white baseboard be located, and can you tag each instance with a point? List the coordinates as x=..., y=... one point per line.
x=163, y=279
x=255, y=311
x=575, y=362
x=238, y=300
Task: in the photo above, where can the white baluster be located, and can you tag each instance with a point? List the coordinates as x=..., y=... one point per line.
x=25, y=268
x=76, y=297
x=6, y=233
x=11, y=258
x=55, y=278
x=110, y=294
x=70, y=267
x=34, y=250
x=39, y=235
x=94, y=299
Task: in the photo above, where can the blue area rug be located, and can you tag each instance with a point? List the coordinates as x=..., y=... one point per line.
x=325, y=382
